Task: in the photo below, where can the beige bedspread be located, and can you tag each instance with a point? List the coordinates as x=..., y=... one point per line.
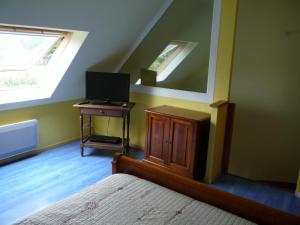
x=125, y=199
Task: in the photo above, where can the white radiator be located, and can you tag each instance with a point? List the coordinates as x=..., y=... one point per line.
x=18, y=138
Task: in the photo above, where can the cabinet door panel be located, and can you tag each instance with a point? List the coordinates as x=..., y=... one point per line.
x=176, y=140
x=181, y=136
x=157, y=149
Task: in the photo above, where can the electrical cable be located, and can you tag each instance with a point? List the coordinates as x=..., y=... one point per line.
x=107, y=126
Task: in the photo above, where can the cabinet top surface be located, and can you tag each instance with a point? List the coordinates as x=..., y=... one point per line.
x=128, y=106
x=179, y=112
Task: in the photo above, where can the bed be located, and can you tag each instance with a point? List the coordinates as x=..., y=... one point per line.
x=138, y=193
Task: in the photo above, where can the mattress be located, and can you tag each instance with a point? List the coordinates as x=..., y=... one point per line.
x=126, y=199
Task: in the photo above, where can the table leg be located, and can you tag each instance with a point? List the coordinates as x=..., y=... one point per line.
x=81, y=151
x=123, y=135
x=81, y=135
x=128, y=123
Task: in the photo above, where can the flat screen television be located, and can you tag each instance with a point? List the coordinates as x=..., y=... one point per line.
x=107, y=88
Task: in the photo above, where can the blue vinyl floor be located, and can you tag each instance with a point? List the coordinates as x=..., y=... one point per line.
x=31, y=184
x=282, y=199
x=34, y=183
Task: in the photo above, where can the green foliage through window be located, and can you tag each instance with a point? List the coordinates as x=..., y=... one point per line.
x=17, y=80
x=24, y=57
x=164, y=55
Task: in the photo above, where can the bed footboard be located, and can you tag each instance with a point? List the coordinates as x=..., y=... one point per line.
x=245, y=208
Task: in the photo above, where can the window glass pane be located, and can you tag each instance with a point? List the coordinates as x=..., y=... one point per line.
x=164, y=55
x=171, y=56
x=21, y=49
x=10, y=80
x=24, y=58
x=43, y=61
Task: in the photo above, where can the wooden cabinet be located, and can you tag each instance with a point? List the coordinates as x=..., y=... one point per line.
x=177, y=140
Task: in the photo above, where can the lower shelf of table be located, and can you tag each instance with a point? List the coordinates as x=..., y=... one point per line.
x=103, y=145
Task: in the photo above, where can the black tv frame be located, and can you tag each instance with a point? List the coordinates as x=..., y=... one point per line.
x=107, y=88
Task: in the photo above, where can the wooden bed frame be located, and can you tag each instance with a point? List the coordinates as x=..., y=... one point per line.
x=242, y=207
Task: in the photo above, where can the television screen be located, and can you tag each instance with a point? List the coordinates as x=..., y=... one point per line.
x=103, y=87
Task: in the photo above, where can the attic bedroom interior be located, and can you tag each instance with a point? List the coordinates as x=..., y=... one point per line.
x=149, y=112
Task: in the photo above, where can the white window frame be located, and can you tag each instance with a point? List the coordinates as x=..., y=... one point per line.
x=59, y=64
x=169, y=66
x=31, y=31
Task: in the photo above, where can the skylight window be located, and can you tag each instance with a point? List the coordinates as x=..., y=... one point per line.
x=33, y=61
x=24, y=55
x=21, y=49
x=172, y=55
x=167, y=54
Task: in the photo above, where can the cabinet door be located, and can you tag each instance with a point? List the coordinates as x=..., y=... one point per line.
x=182, y=149
x=157, y=138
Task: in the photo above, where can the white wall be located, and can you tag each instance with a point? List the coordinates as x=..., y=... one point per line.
x=265, y=89
x=113, y=27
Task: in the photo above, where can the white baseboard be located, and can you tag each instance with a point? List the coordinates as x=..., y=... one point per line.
x=297, y=194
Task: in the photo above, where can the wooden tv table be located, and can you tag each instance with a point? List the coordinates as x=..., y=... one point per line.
x=91, y=110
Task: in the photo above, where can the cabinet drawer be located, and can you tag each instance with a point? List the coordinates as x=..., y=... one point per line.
x=101, y=112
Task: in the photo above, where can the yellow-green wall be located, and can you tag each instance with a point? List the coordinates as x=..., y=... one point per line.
x=265, y=89
x=137, y=125
x=184, y=21
x=225, y=49
x=221, y=90
x=298, y=186
x=216, y=142
x=57, y=123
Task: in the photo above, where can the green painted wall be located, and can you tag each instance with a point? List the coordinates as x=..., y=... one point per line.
x=137, y=127
x=185, y=21
x=265, y=89
x=57, y=123
x=298, y=186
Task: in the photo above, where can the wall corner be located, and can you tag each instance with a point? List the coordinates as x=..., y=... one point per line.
x=297, y=192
